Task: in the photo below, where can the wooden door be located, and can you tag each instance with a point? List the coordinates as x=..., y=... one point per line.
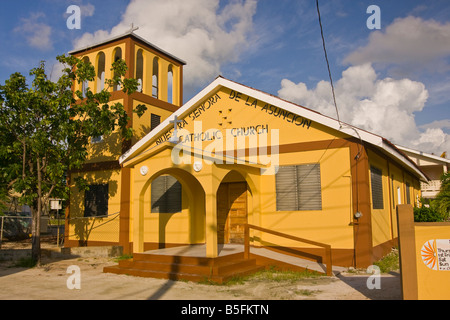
x=231, y=212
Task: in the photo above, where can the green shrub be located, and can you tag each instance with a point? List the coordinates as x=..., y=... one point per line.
x=427, y=214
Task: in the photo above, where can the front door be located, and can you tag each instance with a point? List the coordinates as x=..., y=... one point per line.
x=231, y=212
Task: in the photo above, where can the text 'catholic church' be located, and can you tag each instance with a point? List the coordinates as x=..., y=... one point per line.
x=233, y=156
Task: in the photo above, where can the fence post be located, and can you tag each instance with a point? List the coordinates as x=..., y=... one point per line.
x=246, y=241
x=407, y=251
x=328, y=261
x=1, y=232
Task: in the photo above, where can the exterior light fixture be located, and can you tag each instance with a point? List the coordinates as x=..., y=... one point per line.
x=358, y=215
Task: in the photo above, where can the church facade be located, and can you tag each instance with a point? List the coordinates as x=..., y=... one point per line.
x=232, y=156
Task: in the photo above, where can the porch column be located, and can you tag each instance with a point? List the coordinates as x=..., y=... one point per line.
x=138, y=230
x=211, y=225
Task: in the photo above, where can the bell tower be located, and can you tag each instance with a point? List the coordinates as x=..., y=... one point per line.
x=159, y=73
x=160, y=78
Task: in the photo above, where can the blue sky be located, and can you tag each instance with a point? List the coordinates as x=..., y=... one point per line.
x=394, y=81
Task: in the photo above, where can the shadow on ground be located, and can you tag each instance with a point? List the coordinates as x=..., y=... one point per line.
x=385, y=287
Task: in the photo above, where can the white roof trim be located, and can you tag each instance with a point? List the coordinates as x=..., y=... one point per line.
x=365, y=136
x=424, y=154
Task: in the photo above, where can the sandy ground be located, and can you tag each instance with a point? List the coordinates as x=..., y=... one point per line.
x=49, y=282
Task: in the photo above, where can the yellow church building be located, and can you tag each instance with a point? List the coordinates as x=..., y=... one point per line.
x=233, y=156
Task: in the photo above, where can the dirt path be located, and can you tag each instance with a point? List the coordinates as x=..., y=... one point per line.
x=50, y=282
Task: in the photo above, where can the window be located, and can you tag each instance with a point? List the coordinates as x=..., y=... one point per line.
x=140, y=69
x=96, y=201
x=376, y=178
x=170, y=85
x=393, y=191
x=85, y=84
x=166, y=195
x=298, y=188
x=408, y=195
x=117, y=57
x=154, y=121
x=100, y=72
x=155, y=84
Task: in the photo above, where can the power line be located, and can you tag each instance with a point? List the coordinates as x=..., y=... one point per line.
x=328, y=64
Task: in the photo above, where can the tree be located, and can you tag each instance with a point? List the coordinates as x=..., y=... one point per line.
x=46, y=129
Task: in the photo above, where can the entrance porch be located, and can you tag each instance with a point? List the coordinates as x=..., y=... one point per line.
x=191, y=263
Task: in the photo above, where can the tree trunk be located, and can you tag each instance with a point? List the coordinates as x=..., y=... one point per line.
x=36, y=226
x=36, y=234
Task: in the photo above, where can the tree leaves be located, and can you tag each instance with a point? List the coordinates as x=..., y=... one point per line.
x=46, y=128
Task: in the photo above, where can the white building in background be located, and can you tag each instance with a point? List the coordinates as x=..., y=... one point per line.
x=433, y=166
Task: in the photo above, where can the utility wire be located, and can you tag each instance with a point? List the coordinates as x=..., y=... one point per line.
x=332, y=85
x=328, y=64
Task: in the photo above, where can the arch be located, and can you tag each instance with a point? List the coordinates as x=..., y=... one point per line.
x=155, y=78
x=85, y=84
x=117, y=55
x=195, y=204
x=140, y=69
x=101, y=69
x=170, y=84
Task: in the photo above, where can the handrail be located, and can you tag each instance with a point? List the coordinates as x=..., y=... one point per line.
x=327, y=247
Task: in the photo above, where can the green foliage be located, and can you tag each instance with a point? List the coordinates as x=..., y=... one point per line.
x=442, y=201
x=438, y=209
x=427, y=214
x=389, y=263
x=45, y=128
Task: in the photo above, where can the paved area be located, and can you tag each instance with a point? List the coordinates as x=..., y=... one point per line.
x=226, y=249
x=53, y=279
x=50, y=282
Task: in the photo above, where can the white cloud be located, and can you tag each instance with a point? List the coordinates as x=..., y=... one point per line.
x=409, y=43
x=38, y=34
x=87, y=10
x=438, y=124
x=197, y=31
x=382, y=106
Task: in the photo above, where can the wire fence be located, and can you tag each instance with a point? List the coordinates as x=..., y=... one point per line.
x=16, y=227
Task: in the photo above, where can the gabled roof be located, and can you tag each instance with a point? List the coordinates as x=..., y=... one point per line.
x=365, y=136
x=122, y=36
x=422, y=154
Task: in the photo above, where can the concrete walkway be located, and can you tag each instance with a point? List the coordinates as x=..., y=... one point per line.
x=227, y=249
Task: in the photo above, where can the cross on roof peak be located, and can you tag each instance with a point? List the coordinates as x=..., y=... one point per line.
x=133, y=28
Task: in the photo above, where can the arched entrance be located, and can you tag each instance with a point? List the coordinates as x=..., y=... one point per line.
x=171, y=210
x=232, y=208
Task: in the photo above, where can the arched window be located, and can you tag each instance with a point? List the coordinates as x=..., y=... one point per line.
x=117, y=56
x=170, y=85
x=85, y=84
x=101, y=71
x=166, y=195
x=155, y=78
x=140, y=70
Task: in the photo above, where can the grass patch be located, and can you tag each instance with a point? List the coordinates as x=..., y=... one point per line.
x=306, y=292
x=272, y=274
x=389, y=263
x=123, y=257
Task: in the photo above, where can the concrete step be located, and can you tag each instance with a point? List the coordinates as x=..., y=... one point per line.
x=213, y=268
x=188, y=273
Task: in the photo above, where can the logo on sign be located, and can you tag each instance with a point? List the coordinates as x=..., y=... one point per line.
x=436, y=254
